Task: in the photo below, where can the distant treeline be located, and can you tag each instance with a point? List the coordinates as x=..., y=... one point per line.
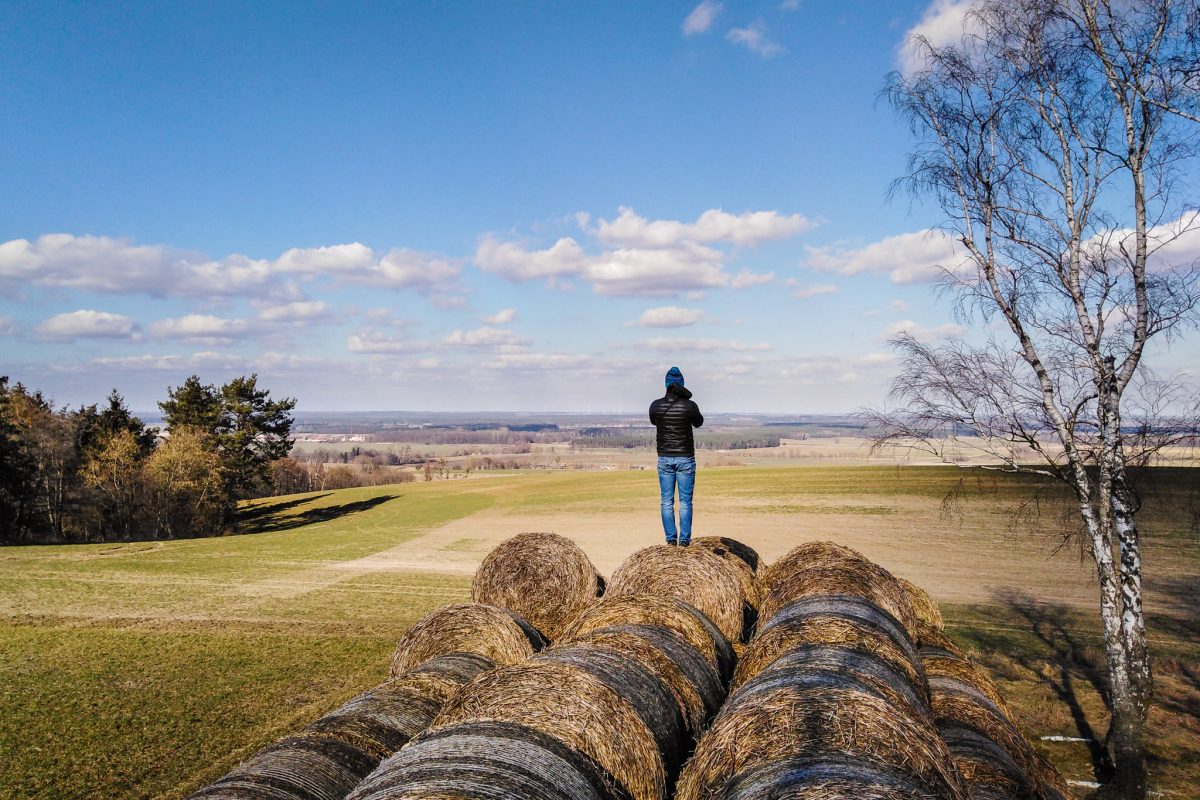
x=706, y=440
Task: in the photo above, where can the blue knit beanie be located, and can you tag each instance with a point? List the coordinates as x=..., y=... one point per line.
x=674, y=376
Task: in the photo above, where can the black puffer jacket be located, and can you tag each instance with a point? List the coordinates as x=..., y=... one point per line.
x=675, y=415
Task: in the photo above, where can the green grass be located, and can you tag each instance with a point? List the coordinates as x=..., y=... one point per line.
x=149, y=669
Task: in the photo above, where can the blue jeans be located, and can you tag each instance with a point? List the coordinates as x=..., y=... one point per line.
x=681, y=471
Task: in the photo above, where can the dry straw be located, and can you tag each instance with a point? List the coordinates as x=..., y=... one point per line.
x=825, y=778
x=817, y=722
x=333, y=754
x=807, y=556
x=543, y=577
x=858, y=578
x=485, y=630
x=688, y=622
x=935, y=643
x=842, y=620
x=568, y=703
x=489, y=761
x=693, y=682
x=742, y=558
x=698, y=577
x=926, y=611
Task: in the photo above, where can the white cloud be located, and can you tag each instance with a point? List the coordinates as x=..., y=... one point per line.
x=511, y=260
x=755, y=38
x=715, y=225
x=300, y=311
x=668, y=345
x=805, y=292
x=898, y=305
x=906, y=258
x=206, y=359
x=201, y=329
x=789, y=5
x=701, y=18
x=87, y=324
x=535, y=362
x=943, y=23
x=485, y=338
x=118, y=266
x=501, y=317
x=746, y=278
x=667, y=317
x=658, y=272
x=921, y=333
x=375, y=343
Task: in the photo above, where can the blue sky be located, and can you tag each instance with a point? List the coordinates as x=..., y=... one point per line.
x=461, y=206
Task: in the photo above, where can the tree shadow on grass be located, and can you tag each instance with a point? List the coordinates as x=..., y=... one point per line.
x=276, y=519
x=248, y=515
x=1061, y=660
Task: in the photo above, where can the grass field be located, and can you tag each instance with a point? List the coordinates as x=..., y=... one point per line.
x=148, y=669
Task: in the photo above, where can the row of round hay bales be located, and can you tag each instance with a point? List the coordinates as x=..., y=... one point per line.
x=996, y=761
x=829, y=699
x=610, y=710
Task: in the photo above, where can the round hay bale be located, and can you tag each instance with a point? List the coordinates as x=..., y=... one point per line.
x=842, y=620
x=543, y=577
x=956, y=669
x=490, y=631
x=724, y=546
x=488, y=761
x=825, y=778
x=644, y=690
x=988, y=771
x=924, y=608
x=570, y=704
x=807, y=556
x=454, y=668
x=932, y=643
x=818, y=721
x=1051, y=783
x=843, y=667
x=693, y=681
x=859, y=578
x=688, y=622
x=698, y=577
x=308, y=766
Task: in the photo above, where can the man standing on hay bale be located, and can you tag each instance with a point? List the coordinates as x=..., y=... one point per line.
x=674, y=415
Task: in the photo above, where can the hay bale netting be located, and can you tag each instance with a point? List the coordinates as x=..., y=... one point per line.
x=698, y=577
x=858, y=578
x=843, y=620
x=489, y=761
x=642, y=688
x=808, y=556
x=724, y=546
x=569, y=704
x=684, y=619
x=490, y=631
x=817, y=722
x=824, y=778
x=543, y=577
x=692, y=680
x=331, y=755
x=924, y=608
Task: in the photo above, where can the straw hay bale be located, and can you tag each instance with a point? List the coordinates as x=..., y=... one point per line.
x=959, y=669
x=819, y=721
x=807, y=556
x=859, y=578
x=543, y=577
x=685, y=620
x=988, y=771
x=644, y=690
x=842, y=620
x=490, y=631
x=931, y=643
x=570, y=704
x=488, y=761
x=304, y=767
x=825, y=778
x=923, y=606
x=725, y=547
x=694, y=682
x=831, y=665
x=1051, y=783
x=698, y=577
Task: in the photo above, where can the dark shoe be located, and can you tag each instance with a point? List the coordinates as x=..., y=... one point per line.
x=685, y=544
x=671, y=543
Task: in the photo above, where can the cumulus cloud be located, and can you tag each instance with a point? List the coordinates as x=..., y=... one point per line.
x=715, y=225
x=299, y=311
x=701, y=18
x=511, y=260
x=906, y=258
x=666, y=317
x=118, y=266
x=921, y=333
x=535, y=362
x=755, y=38
x=805, y=292
x=746, y=278
x=501, y=317
x=659, y=272
x=943, y=23
x=87, y=324
x=485, y=338
x=376, y=343
x=202, y=329
x=669, y=345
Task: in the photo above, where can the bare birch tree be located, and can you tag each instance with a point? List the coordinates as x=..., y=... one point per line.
x=1059, y=139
